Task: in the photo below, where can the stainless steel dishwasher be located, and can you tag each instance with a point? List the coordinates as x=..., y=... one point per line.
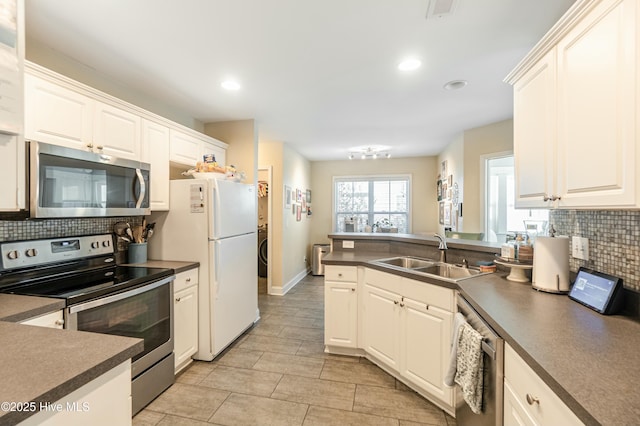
x=493, y=376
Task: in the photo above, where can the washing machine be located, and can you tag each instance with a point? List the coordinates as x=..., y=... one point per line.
x=262, y=252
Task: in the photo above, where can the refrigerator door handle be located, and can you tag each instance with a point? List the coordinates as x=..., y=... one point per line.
x=215, y=267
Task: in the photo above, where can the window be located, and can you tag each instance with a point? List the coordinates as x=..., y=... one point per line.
x=501, y=216
x=361, y=201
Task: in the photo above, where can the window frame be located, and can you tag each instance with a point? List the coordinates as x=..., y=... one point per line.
x=370, y=178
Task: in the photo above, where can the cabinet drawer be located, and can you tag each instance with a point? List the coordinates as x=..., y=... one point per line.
x=383, y=280
x=341, y=273
x=185, y=279
x=431, y=294
x=545, y=406
x=50, y=320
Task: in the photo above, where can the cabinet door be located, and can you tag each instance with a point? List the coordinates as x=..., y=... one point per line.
x=185, y=325
x=426, y=347
x=381, y=325
x=185, y=149
x=220, y=153
x=534, y=130
x=514, y=413
x=116, y=132
x=597, y=63
x=341, y=314
x=12, y=173
x=155, y=151
x=57, y=115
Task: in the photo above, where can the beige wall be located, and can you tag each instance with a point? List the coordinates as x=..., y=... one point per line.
x=242, y=137
x=289, y=238
x=55, y=61
x=423, y=171
x=494, y=138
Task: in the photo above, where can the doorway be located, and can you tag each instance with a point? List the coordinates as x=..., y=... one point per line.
x=265, y=175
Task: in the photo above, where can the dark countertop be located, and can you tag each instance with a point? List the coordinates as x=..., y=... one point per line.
x=171, y=264
x=15, y=308
x=40, y=364
x=481, y=246
x=590, y=361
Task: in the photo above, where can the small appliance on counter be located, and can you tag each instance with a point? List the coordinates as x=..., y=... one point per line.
x=551, y=264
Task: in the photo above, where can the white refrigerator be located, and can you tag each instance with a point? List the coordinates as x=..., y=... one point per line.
x=214, y=222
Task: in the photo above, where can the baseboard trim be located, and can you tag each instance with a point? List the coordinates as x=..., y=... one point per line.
x=281, y=291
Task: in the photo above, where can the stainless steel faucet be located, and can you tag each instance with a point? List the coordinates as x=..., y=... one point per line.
x=442, y=247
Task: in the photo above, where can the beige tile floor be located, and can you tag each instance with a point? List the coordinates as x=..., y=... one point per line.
x=278, y=374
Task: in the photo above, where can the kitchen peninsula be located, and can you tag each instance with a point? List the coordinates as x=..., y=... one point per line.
x=588, y=360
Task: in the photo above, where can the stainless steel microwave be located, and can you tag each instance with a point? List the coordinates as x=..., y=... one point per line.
x=66, y=182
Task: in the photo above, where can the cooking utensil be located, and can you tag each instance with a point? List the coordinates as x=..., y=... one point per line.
x=129, y=232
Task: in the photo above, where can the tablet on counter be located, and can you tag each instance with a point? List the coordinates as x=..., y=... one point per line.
x=598, y=291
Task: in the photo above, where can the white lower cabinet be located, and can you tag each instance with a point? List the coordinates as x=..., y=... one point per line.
x=528, y=400
x=341, y=306
x=185, y=314
x=50, y=320
x=104, y=401
x=406, y=326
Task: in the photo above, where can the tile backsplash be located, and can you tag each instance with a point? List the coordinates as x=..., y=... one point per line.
x=614, y=240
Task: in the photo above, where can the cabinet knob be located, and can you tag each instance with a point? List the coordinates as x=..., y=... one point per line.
x=178, y=299
x=353, y=289
x=90, y=146
x=100, y=147
x=532, y=399
x=395, y=302
x=188, y=280
x=339, y=275
x=402, y=305
x=59, y=322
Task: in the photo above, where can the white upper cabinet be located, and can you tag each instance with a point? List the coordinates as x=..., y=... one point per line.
x=575, y=111
x=534, y=129
x=155, y=151
x=56, y=114
x=60, y=115
x=185, y=149
x=117, y=132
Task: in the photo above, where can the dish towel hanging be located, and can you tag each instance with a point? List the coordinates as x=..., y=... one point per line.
x=469, y=366
x=458, y=320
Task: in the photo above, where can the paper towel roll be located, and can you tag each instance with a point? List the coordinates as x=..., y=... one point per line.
x=551, y=264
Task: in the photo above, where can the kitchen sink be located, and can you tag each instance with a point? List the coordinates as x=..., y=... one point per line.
x=406, y=262
x=446, y=270
x=433, y=268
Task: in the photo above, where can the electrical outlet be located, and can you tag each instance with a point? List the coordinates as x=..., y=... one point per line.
x=304, y=259
x=580, y=248
x=347, y=244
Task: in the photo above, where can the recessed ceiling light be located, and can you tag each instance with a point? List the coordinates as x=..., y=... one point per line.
x=409, y=64
x=455, y=84
x=230, y=85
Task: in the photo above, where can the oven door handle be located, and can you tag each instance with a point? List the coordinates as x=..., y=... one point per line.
x=114, y=298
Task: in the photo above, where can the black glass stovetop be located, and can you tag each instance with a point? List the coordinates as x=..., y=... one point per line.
x=79, y=283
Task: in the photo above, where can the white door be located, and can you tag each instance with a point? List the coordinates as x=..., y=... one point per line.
x=185, y=314
x=234, y=209
x=155, y=150
x=234, y=288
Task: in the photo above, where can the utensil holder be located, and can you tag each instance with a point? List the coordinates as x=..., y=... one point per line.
x=137, y=252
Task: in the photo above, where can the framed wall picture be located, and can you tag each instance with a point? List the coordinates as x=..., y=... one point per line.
x=441, y=213
x=443, y=169
x=298, y=195
x=439, y=190
x=447, y=214
x=450, y=181
x=298, y=212
x=287, y=197
x=308, y=196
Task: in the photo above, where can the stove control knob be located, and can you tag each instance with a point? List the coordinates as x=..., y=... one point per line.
x=31, y=252
x=106, y=243
x=13, y=254
x=95, y=245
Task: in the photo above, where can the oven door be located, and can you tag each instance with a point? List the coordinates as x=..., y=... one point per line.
x=144, y=312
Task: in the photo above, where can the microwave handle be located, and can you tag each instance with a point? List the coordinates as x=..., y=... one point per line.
x=143, y=188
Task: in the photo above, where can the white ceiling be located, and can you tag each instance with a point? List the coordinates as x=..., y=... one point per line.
x=319, y=75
